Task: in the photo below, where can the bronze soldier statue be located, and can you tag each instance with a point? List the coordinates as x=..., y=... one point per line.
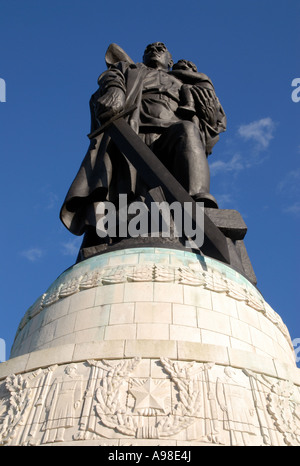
x=175, y=112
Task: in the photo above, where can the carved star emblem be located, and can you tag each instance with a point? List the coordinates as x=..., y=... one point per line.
x=150, y=394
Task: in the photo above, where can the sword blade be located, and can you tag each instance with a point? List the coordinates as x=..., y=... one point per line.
x=154, y=173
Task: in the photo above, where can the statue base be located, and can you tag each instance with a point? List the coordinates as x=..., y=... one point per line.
x=149, y=347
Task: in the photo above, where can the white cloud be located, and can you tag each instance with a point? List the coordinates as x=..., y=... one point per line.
x=33, y=254
x=52, y=200
x=289, y=189
x=259, y=131
x=71, y=248
x=224, y=200
x=293, y=209
x=235, y=164
x=290, y=184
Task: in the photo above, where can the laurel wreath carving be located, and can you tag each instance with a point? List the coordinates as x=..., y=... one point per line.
x=185, y=412
x=117, y=416
x=285, y=412
x=18, y=401
x=109, y=407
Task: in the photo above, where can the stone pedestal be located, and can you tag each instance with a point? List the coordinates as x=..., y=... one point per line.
x=150, y=346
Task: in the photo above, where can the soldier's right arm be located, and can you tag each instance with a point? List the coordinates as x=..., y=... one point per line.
x=110, y=98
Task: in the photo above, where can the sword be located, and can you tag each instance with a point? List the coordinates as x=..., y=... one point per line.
x=155, y=174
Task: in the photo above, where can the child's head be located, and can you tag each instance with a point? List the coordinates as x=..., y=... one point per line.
x=185, y=65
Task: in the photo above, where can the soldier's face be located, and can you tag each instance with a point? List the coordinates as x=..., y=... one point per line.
x=157, y=56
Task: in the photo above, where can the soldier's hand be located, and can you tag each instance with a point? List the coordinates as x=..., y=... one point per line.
x=110, y=104
x=207, y=105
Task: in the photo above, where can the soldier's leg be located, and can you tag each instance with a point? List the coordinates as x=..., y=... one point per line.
x=182, y=149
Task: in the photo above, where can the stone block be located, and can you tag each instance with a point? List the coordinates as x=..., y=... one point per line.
x=240, y=330
x=15, y=365
x=23, y=345
x=64, y=340
x=268, y=327
x=109, y=294
x=153, y=312
x=121, y=313
x=262, y=341
x=90, y=334
x=248, y=314
x=64, y=325
x=82, y=300
x=168, y=292
x=138, y=291
x=229, y=221
x=215, y=321
x=184, y=315
x=43, y=336
x=202, y=352
x=252, y=361
x=224, y=304
x=50, y=356
x=124, y=259
x=182, y=332
x=55, y=311
x=99, y=349
x=37, y=322
x=153, y=331
x=154, y=258
x=214, y=338
x=120, y=332
x=151, y=349
x=247, y=266
x=241, y=345
x=195, y=296
x=92, y=317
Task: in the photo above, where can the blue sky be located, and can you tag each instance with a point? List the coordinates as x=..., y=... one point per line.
x=51, y=55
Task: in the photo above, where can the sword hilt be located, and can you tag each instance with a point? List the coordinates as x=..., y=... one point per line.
x=103, y=127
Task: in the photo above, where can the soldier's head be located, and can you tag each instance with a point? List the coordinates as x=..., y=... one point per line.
x=71, y=369
x=157, y=56
x=185, y=65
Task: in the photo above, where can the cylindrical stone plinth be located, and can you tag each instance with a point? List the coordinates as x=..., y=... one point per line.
x=150, y=346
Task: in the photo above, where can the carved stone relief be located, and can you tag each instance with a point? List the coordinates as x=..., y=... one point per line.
x=182, y=275
x=136, y=400
x=63, y=399
x=284, y=407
